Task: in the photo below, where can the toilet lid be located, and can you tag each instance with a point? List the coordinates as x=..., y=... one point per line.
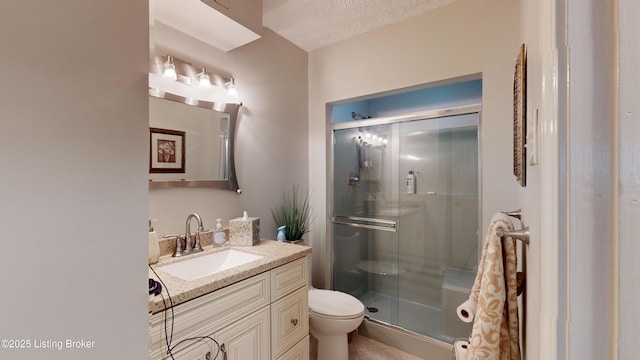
x=334, y=304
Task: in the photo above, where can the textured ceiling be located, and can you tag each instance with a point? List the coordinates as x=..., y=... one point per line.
x=312, y=24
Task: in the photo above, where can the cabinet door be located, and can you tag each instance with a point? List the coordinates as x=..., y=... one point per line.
x=247, y=339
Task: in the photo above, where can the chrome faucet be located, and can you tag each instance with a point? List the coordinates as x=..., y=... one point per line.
x=196, y=247
x=179, y=247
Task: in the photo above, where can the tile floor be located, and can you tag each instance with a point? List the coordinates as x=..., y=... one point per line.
x=363, y=348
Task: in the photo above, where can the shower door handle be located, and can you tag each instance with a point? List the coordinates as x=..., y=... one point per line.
x=366, y=223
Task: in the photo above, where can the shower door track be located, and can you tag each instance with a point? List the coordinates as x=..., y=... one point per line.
x=423, y=115
x=402, y=330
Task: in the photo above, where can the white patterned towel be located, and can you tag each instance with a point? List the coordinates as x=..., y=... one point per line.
x=495, y=334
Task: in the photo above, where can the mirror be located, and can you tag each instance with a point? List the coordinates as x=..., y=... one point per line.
x=191, y=142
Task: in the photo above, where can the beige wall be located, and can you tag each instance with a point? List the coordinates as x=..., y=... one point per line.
x=592, y=227
x=629, y=208
x=461, y=39
x=530, y=196
x=73, y=183
x=271, y=147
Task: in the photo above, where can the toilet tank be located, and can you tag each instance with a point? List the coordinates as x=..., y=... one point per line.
x=456, y=286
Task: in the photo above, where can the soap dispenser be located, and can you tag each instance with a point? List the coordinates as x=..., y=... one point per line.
x=154, y=246
x=219, y=236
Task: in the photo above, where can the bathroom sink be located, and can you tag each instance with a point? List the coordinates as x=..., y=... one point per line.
x=201, y=266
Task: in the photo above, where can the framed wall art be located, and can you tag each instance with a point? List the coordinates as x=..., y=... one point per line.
x=166, y=151
x=520, y=117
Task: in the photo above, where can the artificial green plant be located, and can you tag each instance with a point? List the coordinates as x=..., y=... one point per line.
x=294, y=213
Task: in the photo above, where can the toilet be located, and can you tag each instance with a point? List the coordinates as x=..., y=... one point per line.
x=332, y=315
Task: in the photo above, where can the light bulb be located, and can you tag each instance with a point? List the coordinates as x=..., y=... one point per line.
x=170, y=69
x=203, y=79
x=232, y=92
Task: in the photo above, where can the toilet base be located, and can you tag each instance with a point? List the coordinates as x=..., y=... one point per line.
x=332, y=347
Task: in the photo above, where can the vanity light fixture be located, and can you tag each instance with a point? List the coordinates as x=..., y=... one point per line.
x=175, y=76
x=232, y=91
x=170, y=69
x=203, y=79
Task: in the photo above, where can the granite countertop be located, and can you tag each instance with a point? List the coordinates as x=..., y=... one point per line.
x=274, y=254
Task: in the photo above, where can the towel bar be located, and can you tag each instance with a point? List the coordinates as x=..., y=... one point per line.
x=516, y=214
x=522, y=235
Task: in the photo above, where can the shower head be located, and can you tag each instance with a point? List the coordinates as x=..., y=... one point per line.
x=355, y=116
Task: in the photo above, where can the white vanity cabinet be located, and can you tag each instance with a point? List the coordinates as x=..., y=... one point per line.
x=264, y=317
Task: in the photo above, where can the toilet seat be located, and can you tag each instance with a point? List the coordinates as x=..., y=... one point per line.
x=334, y=305
x=332, y=317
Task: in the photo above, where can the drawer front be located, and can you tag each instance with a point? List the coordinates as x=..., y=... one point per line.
x=299, y=351
x=288, y=278
x=289, y=321
x=205, y=314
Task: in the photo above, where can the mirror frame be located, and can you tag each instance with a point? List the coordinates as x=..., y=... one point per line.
x=230, y=108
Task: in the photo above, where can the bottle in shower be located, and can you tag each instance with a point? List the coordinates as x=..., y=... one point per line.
x=410, y=183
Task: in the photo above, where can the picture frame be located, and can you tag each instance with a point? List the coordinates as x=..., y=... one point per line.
x=520, y=117
x=166, y=151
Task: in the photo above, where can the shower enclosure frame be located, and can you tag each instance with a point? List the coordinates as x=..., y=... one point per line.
x=422, y=115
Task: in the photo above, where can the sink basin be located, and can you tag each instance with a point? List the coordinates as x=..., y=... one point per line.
x=201, y=266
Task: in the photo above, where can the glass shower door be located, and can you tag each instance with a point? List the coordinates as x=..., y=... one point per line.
x=365, y=228
x=405, y=220
x=438, y=242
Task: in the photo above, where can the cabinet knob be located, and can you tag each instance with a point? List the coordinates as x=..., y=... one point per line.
x=294, y=322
